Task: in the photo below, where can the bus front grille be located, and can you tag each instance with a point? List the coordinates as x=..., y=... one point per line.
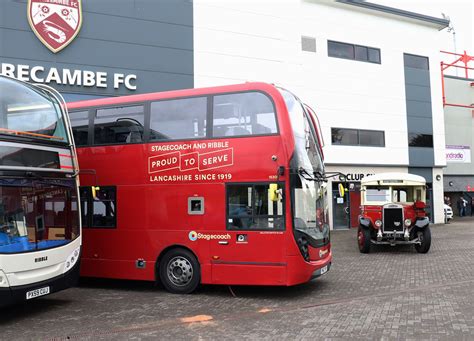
x=393, y=219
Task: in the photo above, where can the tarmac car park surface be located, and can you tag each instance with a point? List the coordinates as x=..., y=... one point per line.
x=391, y=293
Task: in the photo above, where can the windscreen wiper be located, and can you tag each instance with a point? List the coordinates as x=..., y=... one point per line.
x=320, y=177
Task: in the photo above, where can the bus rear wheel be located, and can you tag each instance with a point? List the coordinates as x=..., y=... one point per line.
x=179, y=271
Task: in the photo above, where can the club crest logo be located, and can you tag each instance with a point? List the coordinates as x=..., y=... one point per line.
x=55, y=22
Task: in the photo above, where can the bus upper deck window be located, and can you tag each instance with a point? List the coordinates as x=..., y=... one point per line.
x=241, y=114
x=178, y=119
x=119, y=125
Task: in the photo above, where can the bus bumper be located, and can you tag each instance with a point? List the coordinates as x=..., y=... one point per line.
x=300, y=271
x=18, y=294
x=319, y=272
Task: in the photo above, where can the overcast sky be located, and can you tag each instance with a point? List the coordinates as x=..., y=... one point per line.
x=461, y=13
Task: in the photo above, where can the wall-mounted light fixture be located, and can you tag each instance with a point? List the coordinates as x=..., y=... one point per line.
x=451, y=184
x=438, y=177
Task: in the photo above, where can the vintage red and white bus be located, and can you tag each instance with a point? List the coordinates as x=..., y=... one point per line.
x=219, y=185
x=40, y=228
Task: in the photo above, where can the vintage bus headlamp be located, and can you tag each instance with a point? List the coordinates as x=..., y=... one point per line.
x=407, y=222
x=72, y=259
x=3, y=280
x=378, y=223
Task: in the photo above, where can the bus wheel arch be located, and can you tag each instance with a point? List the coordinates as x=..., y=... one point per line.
x=178, y=269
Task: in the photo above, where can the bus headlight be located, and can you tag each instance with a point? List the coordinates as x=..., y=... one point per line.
x=407, y=222
x=378, y=223
x=72, y=259
x=3, y=280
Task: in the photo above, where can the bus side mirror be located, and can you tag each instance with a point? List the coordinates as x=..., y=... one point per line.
x=94, y=190
x=273, y=193
x=341, y=189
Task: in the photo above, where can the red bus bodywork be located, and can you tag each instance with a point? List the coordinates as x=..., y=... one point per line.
x=154, y=183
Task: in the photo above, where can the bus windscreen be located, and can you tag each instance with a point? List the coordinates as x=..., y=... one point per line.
x=37, y=214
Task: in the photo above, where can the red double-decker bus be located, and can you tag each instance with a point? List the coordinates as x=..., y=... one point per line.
x=219, y=185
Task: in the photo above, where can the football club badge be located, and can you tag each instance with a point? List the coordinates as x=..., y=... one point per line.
x=55, y=22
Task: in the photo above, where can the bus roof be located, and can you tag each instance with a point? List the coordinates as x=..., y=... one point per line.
x=393, y=179
x=173, y=94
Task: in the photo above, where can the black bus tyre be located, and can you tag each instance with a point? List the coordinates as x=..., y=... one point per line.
x=363, y=239
x=425, y=237
x=179, y=271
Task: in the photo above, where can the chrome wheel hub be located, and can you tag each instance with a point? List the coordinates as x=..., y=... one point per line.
x=180, y=271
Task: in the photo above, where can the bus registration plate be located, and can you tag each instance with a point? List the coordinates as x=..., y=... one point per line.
x=37, y=293
x=324, y=270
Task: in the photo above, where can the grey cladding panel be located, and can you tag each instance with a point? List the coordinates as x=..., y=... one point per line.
x=150, y=38
x=419, y=109
x=110, y=7
x=105, y=54
x=420, y=125
x=418, y=93
x=176, y=12
x=417, y=77
x=171, y=11
x=143, y=33
x=421, y=157
x=29, y=43
x=13, y=15
x=427, y=173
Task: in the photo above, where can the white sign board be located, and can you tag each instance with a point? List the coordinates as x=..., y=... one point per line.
x=458, y=154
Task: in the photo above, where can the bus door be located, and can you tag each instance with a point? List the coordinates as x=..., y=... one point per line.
x=340, y=210
x=252, y=249
x=354, y=202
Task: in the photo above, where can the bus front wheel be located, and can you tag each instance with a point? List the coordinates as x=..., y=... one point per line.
x=425, y=239
x=363, y=239
x=179, y=271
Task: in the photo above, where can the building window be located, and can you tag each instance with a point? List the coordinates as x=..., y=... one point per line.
x=249, y=208
x=354, y=52
x=371, y=138
x=178, y=119
x=420, y=140
x=308, y=44
x=241, y=114
x=416, y=62
x=119, y=125
x=356, y=137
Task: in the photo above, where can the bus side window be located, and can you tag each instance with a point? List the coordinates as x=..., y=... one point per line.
x=80, y=127
x=249, y=207
x=85, y=194
x=250, y=113
x=178, y=119
x=100, y=212
x=120, y=125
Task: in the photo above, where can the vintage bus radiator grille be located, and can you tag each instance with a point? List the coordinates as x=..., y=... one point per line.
x=393, y=219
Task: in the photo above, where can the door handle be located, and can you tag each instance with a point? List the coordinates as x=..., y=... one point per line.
x=223, y=242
